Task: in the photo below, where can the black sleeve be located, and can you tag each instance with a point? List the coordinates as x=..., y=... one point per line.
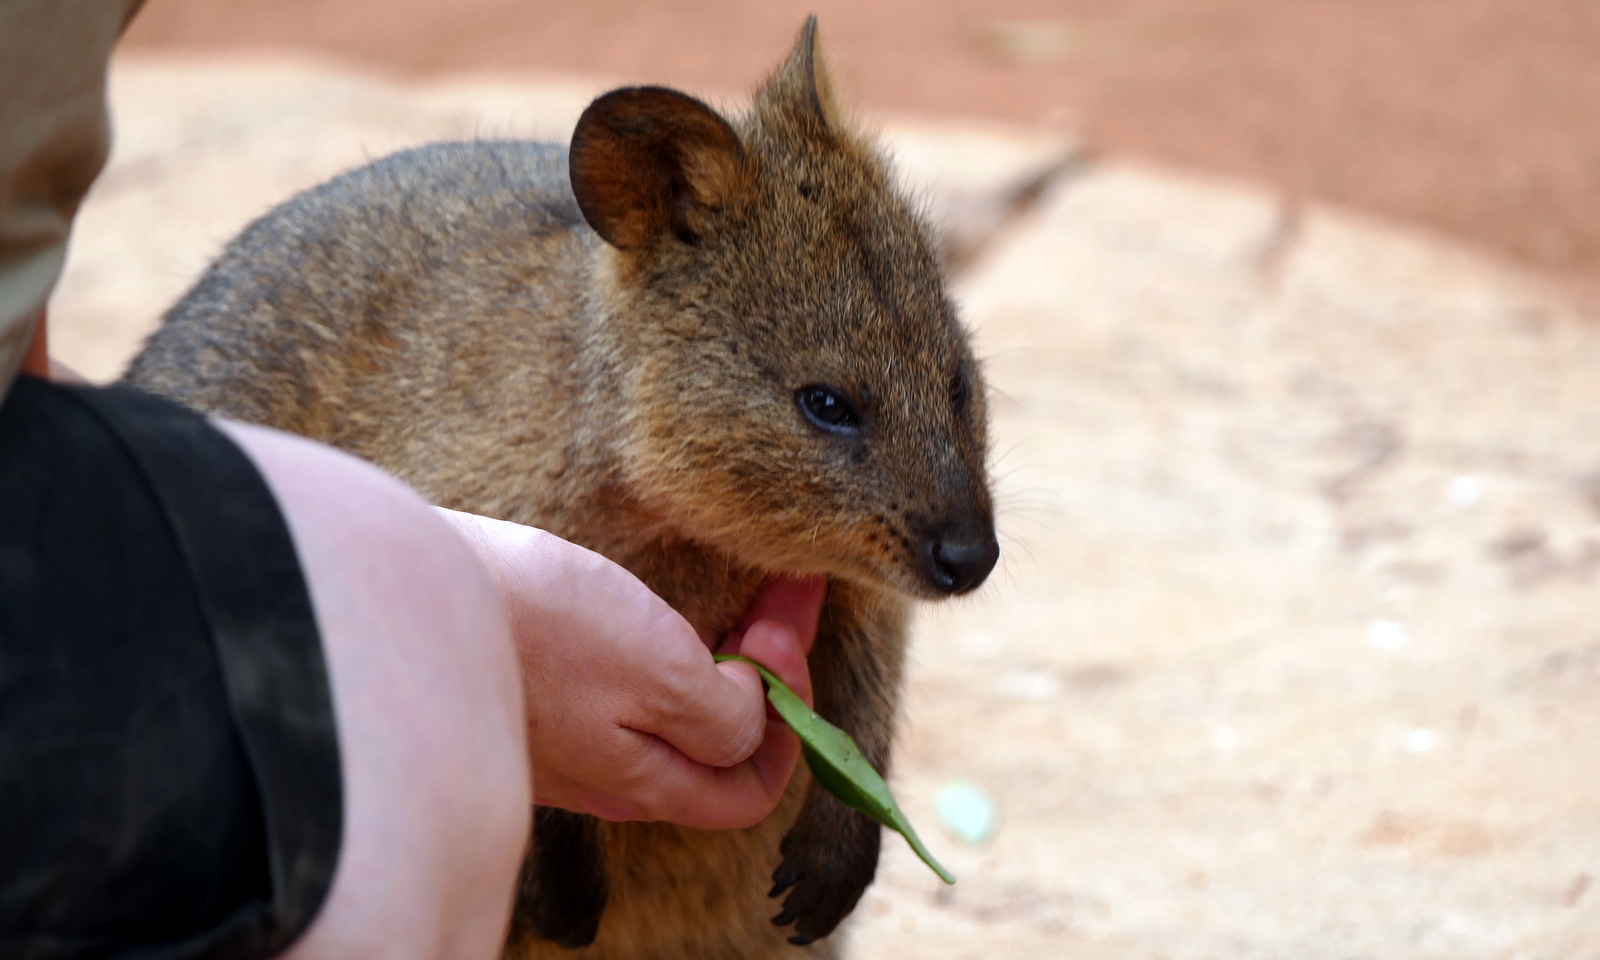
x=169, y=767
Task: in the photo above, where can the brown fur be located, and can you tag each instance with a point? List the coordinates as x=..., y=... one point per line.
x=453, y=314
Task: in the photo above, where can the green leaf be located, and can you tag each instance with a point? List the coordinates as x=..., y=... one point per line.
x=838, y=765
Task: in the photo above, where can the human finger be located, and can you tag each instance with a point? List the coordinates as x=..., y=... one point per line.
x=796, y=601
x=746, y=794
x=664, y=784
x=715, y=714
x=714, y=724
x=795, y=604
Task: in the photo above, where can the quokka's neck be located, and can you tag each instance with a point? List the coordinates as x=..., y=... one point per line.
x=711, y=590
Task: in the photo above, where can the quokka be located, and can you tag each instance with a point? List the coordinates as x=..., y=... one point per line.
x=713, y=349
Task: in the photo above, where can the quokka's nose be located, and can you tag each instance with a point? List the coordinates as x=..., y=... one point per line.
x=959, y=563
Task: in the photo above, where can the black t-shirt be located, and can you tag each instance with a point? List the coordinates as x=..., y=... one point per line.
x=169, y=767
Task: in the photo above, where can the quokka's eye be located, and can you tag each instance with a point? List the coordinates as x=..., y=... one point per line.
x=827, y=408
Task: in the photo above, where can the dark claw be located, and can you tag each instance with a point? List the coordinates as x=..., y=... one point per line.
x=829, y=858
x=783, y=878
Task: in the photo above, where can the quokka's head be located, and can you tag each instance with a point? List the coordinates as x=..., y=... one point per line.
x=798, y=390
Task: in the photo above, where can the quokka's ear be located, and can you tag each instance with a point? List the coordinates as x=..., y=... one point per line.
x=801, y=88
x=648, y=161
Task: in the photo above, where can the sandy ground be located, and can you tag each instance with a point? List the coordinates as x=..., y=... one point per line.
x=1475, y=117
x=1292, y=651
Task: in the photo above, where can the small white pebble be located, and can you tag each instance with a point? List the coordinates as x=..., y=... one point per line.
x=1388, y=635
x=1225, y=739
x=1029, y=685
x=1420, y=740
x=981, y=646
x=966, y=811
x=1463, y=491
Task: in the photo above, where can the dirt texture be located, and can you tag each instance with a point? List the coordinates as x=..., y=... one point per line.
x=1474, y=117
x=1292, y=651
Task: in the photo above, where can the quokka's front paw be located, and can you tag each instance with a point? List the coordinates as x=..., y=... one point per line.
x=830, y=856
x=564, y=886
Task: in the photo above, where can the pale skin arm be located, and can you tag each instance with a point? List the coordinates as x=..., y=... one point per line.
x=426, y=615
x=429, y=711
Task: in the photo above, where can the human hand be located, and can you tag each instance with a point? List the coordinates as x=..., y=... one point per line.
x=629, y=718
